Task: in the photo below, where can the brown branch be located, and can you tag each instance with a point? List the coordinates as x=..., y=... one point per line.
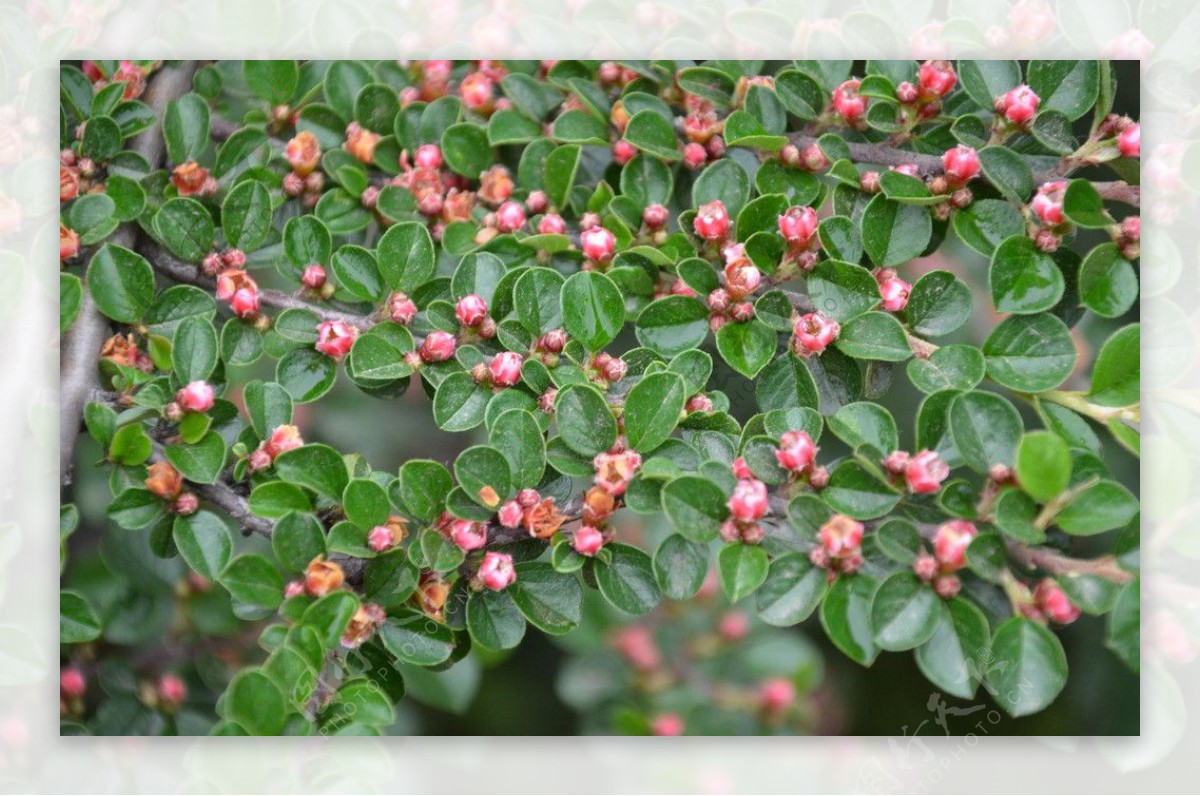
x=1059, y=564
x=928, y=165
x=80, y=346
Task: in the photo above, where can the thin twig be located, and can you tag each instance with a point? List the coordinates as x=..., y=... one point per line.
x=1052, y=561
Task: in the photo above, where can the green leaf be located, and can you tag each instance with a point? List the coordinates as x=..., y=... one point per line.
x=1024, y=279
x=70, y=295
x=723, y=180
x=652, y=410
x=494, y=621
x=593, y=309
x=483, y=474
x=362, y=702
x=306, y=374
x=1116, y=376
x=318, y=467
x=276, y=499
x=1101, y=507
x=951, y=367
x=1053, y=131
x=296, y=540
x=865, y=423
x=194, y=350
x=466, y=150
x=874, y=335
x=356, y=270
x=254, y=702
x=102, y=139
x=1008, y=171
x=423, y=487
x=585, y=423
x=185, y=128
x=274, y=81
x=707, y=82
x=652, y=134
x=459, y=403
x=1030, y=353
x=939, y=303
x=672, y=325
x=646, y=180
x=511, y=127
x=201, y=462
x=748, y=346
x=856, y=492
x=1083, y=206
x=268, y=405
x=1029, y=667
x=246, y=215
x=904, y=612
x=205, y=542
x=559, y=175
x=894, y=233
x=306, y=240
x=517, y=435
x=1124, y=626
x=121, y=283
x=365, y=503
x=742, y=568
x=986, y=223
x=91, y=215
x=1043, y=465
x=1108, y=284
x=415, y=639
x=537, y=300
x=695, y=507
x=985, y=428
x=957, y=654
x=134, y=508
x=549, y=600
x=580, y=127
x=77, y=620
x=376, y=106
x=785, y=383
x=846, y=617
x=842, y=291
x=984, y=81
x=130, y=446
x=627, y=580
x=253, y=581
x=680, y=567
x=791, y=592
x=185, y=227
x=1070, y=87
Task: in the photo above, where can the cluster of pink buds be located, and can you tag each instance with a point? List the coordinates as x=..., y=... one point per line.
x=335, y=338
x=1128, y=235
x=129, y=73
x=303, y=153
x=496, y=571
x=811, y=158
x=748, y=504
x=597, y=244
x=1047, y=204
x=477, y=93
x=813, y=333
x=609, y=368
x=363, y=624
x=509, y=217
x=950, y=543
x=849, y=104
x=238, y=288
x=192, y=179
x=798, y=455
x=922, y=473
x=614, y=470
x=281, y=440
x=893, y=290
x=1051, y=603
x=935, y=79
x=549, y=346
x=712, y=221
x=196, y=396
x=840, y=548
x=1018, y=105
x=537, y=515
x=961, y=165
x=729, y=303
x=798, y=226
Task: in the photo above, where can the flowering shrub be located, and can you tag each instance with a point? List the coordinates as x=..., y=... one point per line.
x=693, y=292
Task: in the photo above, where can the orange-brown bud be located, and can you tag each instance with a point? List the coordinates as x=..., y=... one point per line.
x=361, y=142
x=303, y=153
x=322, y=577
x=495, y=186
x=164, y=480
x=432, y=594
x=544, y=519
x=598, y=506
x=120, y=350
x=191, y=179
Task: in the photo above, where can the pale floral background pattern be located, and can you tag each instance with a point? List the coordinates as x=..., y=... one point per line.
x=1161, y=34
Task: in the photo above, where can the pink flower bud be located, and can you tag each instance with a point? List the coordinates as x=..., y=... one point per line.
x=471, y=310
x=694, y=155
x=935, y=79
x=282, y=440
x=511, y=514
x=370, y=197
x=894, y=291
x=1129, y=142
x=797, y=452
x=1046, y=241
x=813, y=158
x=1019, y=105
x=749, y=501
x=505, y=368
x=777, y=694
x=589, y=220
x=401, y=308
x=925, y=566
x=818, y=478
x=718, y=300
x=72, y=683
x=1054, y=603
x=258, y=459
x=1047, y=204
x=553, y=341
x=798, y=225
x=813, y=333
x=211, y=265
x=476, y=91
x=847, y=102
x=669, y=724
x=681, y=288
x=381, y=538
x=730, y=532
x=313, y=277
x=335, y=338
x=510, y=217
x=598, y=244
x=742, y=278
x=868, y=182
x=699, y=403
x=186, y=504
x=528, y=497
x=552, y=224
x=294, y=588
x=437, y=347
x=961, y=163
x=497, y=572
x=947, y=586
x=733, y=625
x=197, y=396
x=950, y=543
x=655, y=217
x=244, y=302
x=896, y=462
x=841, y=535
x=740, y=469
x=171, y=689
x=303, y=153
x=906, y=92
x=468, y=535
x=587, y=541
x=623, y=152
x=614, y=369
x=429, y=156
x=712, y=221
x=925, y=472
x=233, y=258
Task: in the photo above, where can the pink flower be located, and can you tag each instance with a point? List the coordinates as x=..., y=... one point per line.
x=476, y=91
x=171, y=689
x=777, y=694
x=623, y=152
x=401, y=308
x=598, y=244
x=552, y=224
x=335, y=338
x=614, y=471
x=798, y=225
x=694, y=155
x=437, y=347
x=510, y=217
x=468, y=535
x=950, y=543
x=740, y=469
x=712, y=221
x=893, y=290
x=303, y=153
x=1054, y=602
x=1047, y=204
x=313, y=277
x=841, y=535
x=553, y=341
x=925, y=472
x=749, y=501
x=667, y=724
x=72, y=683
x=471, y=310
x=1019, y=105
x=813, y=333
x=655, y=216
x=511, y=514
x=381, y=538
x=429, y=156
x=935, y=79
x=796, y=451
x=197, y=396
x=497, y=572
x=848, y=103
x=505, y=368
x=240, y=290
x=1129, y=142
x=961, y=163
x=587, y=541
x=282, y=440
